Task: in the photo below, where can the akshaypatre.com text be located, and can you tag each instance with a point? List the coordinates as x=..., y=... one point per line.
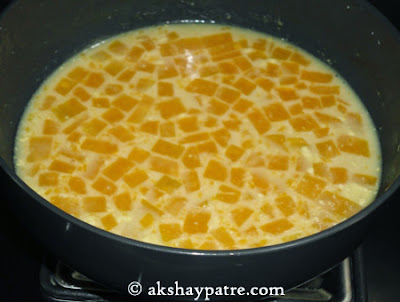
x=203, y=293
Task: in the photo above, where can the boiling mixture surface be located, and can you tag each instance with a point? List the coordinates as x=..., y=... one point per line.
x=200, y=137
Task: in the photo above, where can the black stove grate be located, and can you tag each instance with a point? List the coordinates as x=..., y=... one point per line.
x=343, y=283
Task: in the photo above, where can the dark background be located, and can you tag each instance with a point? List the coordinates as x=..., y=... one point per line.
x=20, y=255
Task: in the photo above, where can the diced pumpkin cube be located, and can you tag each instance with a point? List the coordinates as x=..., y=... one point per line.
x=61, y=166
x=94, y=204
x=135, y=53
x=167, y=184
x=101, y=102
x=164, y=165
x=171, y=108
x=317, y=77
x=244, y=85
x=326, y=118
x=118, y=168
x=93, y=167
x=99, y=146
x=78, y=74
x=259, y=121
x=290, y=67
x=50, y=127
x=338, y=175
x=221, y=136
x=104, y=186
x=321, y=132
x=47, y=179
x=277, y=227
x=268, y=209
x=118, y=47
x=208, y=245
x=272, y=70
x=122, y=133
x=64, y=86
x=223, y=236
x=276, y=112
x=217, y=39
x=151, y=207
x=196, y=222
x=191, y=43
x=147, y=220
x=100, y=56
x=113, y=115
x=125, y=102
x=265, y=84
x=296, y=109
x=216, y=107
x=94, y=80
x=255, y=159
x=299, y=58
x=114, y=67
x=165, y=89
x=138, y=155
x=287, y=93
x=278, y=139
x=144, y=84
x=260, y=180
x=310, y=186
x=365, y=179
x=338, y=204
x=210, y=122
x=123, y=201
x=191, y=158
x=321, y=169
x=194, y=138
x=141, y=110
x=67, y=204
x=324, y=90
x=281, y=53
x=208, y=70
x=166, y=148
x=238, y=176
x=242, y=105
x=81, y=93
x=202, y=86
x=257, y=54
x=328, y=100
x=175, y=205
x=228, y=67
x=170, y=231
x=68, y=109
x=191, y=181
x=147, y=43
x=240, y=215
x=150, y=127
x=215, y=170
x=234, y=152
x=113, y=89
x=207, y=147
x=327, y=149
x=167, y=71
x=303, y=123
x=286, y=205
x=228, y=194
x=278, y=162
x=109, y=222
x=167, y=129
x=310, y=102
x=93, y=127
x=136, y=178
x=353, y=145
x=242, y=63
x=188, y=124
x=77, y=185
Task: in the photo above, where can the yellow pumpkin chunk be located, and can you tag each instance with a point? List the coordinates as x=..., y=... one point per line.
x=228, y=194
x=93, y=204
x=109, y=222
x=277, y=227
x=123, y=201
x=196, y=222
x=215, y=170
x=170, y=231
x=240, y=215
x=136, y=178
x=354, y=145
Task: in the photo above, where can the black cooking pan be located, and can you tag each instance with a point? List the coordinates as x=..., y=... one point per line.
x=37, y=36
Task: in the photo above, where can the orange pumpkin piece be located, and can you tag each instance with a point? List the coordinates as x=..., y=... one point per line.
x=122, y=133
x=64, y=86
x=166, y=148
x=114, y=67
x=147, y=220
x=191, y=158
x=234, y=152
x=324, y=90
x=68, y=109
x=228, y=95
x=353, y=145
x=328, y=100
x=144, y=84
x=299, y=58
x=310, y=102
x=223, y=236
x=145, y=66
x=296, y=109
x=338, y=175
x=365, y=179
x=278, y=139
x=109, y=222
x=317, y=77
x=310, y=186
x=321, y=169
x=167, y=184
x=326, y=118
x=118, y=47
x=150, y=127
x=287, y=93
x=286, y=205
x=47, y=179
x=277, y=227
x=327, y=149
x=216, y=107
x=338, y=204
x=141, y=110
x=278, y=162
x=242, y=105
x=113, y=89
x=321, y=132
x=50, y=127
x=101, y=102
x=138, y=155
x=242, y=63
x=99, y=146
x=135, y=178
x=94, y=204
x=188, y=124
x=171, y=108
x=191, y=181
x=272, y=70
x=202, y=86
x=276, y=112
x=100, y=56
x=77, y=185
x=113, y=115
x=118, y=168
x=303, y=123
x=104, y=186
x=260, y=123
x=125, y=102
x=240, y=215
x=257, y=54
x=228, y=194
x=61, y=166
x=78, y=74
x=135, y=53
x=164, y=165
x=207, y=147
x=244, y=85
x=265, y=84
x=192, y=44
x=126, y=75
x=290, y=67
x=170, y=231
x=281, y=53
x=196, y=221
x=208, y=70
x=194, y=138
x=217, y=39
x=93, y=127
x=68, y=205
x=94, y=80
x=238, y=176
x=228, y=68
x=167, y=129
x=82, y=94
x=123, y=201
x=260, y=180
x=175, y=205
x=215, y=170
x=165, y=89
x=151, y=207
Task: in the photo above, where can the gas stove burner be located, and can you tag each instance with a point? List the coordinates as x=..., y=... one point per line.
x=343, y=283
